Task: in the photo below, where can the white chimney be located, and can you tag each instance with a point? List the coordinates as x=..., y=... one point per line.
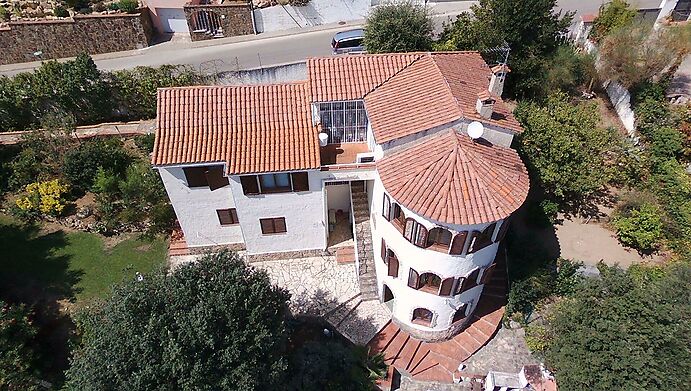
x=496, y=82
x=485, y=104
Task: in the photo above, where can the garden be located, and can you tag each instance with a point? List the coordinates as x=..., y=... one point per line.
x=55, y=9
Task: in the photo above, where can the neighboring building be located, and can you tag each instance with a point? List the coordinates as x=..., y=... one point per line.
x=377, y=141
x=202, y=19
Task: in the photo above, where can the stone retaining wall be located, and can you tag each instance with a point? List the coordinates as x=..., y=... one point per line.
x=26, y=41
x=234, y=19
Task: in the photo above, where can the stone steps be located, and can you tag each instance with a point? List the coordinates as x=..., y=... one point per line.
x=363, y=235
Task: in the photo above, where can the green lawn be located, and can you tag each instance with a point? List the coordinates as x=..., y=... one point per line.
x=68, y=265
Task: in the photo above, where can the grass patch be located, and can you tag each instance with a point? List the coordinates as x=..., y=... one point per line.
x=69, y=265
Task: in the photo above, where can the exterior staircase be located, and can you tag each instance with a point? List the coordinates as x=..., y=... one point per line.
x=367, y=276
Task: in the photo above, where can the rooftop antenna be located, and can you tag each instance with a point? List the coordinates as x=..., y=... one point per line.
x=475, y=130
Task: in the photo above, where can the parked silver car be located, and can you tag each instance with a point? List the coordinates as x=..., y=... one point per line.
x=350, y=41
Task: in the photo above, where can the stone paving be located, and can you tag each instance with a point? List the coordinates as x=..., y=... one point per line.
x=506, y=352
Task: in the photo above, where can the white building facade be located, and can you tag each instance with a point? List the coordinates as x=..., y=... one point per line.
x=275, y=170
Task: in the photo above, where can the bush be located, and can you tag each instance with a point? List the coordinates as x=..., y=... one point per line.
x=612, y=16
x=128, y=6
x=4, y=14
x=638, y=225
x=17, y=356
x=568, y=70
x=145, y=143
x=81, y=164
x=60, y=12
x=393, y=28
x=47, y=198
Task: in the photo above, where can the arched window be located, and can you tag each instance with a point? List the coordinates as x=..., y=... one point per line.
x=415, y=232
x=482, y=239
x=422, y=316
x=460, y=313
x=458, y=243
x=397, y=217
x=386, y=208
x=439, y=239
x=392, y=263
x=429, y=282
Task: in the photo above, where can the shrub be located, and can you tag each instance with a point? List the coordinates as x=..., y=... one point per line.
x=4, y=14
x=569, y=70
x=404, y=27
x=638, y=225
x=145, y=142
x=60, y=12
x=17, y=356
x=81, y=164
x=47, y=198
x=129, y=6
x=612, y=16
x=78, y=4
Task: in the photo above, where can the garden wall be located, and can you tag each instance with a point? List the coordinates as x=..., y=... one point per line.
x=93, y=34
x=233, y=19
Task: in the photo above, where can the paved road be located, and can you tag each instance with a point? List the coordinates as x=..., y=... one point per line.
x=265, y=50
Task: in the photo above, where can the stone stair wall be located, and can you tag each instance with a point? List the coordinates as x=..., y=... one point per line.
x=367, y=276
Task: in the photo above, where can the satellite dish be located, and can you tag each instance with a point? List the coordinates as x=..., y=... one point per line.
x=475, y=130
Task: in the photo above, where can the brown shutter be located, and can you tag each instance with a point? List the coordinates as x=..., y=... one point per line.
x=475, y=238
x=280, y=224
x=408, y=231
x=393, y=266
x=489, y=231
x=421, y=236
x=458, y=243
x=503, y=230
x=215, y=178
x=487, y=274
x=234, y=216
x=300, y=181
x=386, y=208
x=224, y=216
x=446, y=286
x=267, y=226
x=249, y=184
x=413, y=279
x=459, y=286
x=383, y=250
x=471, y=280
x=195, y=176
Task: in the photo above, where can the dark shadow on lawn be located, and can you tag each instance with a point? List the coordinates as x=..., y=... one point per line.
x=33, y=275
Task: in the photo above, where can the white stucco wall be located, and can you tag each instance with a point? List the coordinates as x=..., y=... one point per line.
x=423, y=260
x=338, y=197
x=304, y=213
x=196, y=210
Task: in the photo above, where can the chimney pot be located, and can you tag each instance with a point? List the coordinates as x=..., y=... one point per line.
x=485, y=104
x=496, y=82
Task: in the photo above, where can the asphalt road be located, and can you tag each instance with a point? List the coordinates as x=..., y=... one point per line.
x=266, y=50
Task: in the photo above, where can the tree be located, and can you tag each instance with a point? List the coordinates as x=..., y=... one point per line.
x=567, y=154
x=17, y=353
x=624, y=331
x=612, y=16
x=216, y=324
x=393, y=28
x=530, y=29
x=635, y=53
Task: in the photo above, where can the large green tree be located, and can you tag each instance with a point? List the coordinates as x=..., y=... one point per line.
x=216, y=324
x=568, y=155
x=404, y=27
x=17, y=353
x=529, y=27
x=624, y=331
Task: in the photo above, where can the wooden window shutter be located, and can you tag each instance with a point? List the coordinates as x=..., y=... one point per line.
x=446, y=287
x=234, y=216
x=300, y=181
x=226, y=216
x=215, y=177
x=195, y=176
x=458, y=243
x=502, y=230
x=413, y=279
x=280, y=224
x=487, y=274
x=386, y=208
x=249, y=184
x=383, y=250
x=267, y=226
x=475, y=238
x=393, y=266
x=420, y=235
x=489, y=231
x=459, y=286
x=471, y=280
x=408, y=231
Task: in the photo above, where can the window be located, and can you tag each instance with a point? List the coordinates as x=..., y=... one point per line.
x=429, y=282
x=422, y=316
x=227, y=216
x=460, y=313
x=439, y=239
x=397, y=216
x=413, y=279
x=274, y=225
x=203, y=176
x=415, y=232
x=446, y=287
x=344, y=122
x=392, y=263
x=482, y=239
x=487, y=274
x=470, y=281
x=386, y=208
x=275, y=183
x=458, y=243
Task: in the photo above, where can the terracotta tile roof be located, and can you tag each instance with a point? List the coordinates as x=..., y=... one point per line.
x=259, y=128
x=452, y=179
x=467, y=74
x=352, y=76
x=415, y=99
